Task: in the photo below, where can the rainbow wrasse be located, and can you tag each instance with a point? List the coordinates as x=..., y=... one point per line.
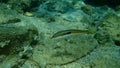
x=71, y=31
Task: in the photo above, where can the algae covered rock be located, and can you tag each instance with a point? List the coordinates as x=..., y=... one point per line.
x=23, y=5
x=7, y=15
x=109, y=29
x=111, y=3
x=16, y=62
x=64, y=50
x=30, y=64
x=12, y=62
x=13, y=39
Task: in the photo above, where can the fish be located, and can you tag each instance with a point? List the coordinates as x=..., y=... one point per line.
x=71, y=31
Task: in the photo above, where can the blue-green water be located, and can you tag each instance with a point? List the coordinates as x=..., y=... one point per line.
x=59, y=34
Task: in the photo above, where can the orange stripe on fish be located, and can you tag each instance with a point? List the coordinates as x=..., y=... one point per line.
x=71, y=31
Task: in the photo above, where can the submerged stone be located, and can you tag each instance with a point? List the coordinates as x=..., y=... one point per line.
x=13, y=39
x=110, y=3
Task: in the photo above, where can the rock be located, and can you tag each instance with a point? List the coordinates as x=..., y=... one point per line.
x=11, y=62
x=30, y=64
x=14, y=61
x=64, y=50
x=7, y=15
x=24, y=5
x=108, y=31
x=2, y=58
x=14, y=39
x=87, y=9
x=111, y=3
